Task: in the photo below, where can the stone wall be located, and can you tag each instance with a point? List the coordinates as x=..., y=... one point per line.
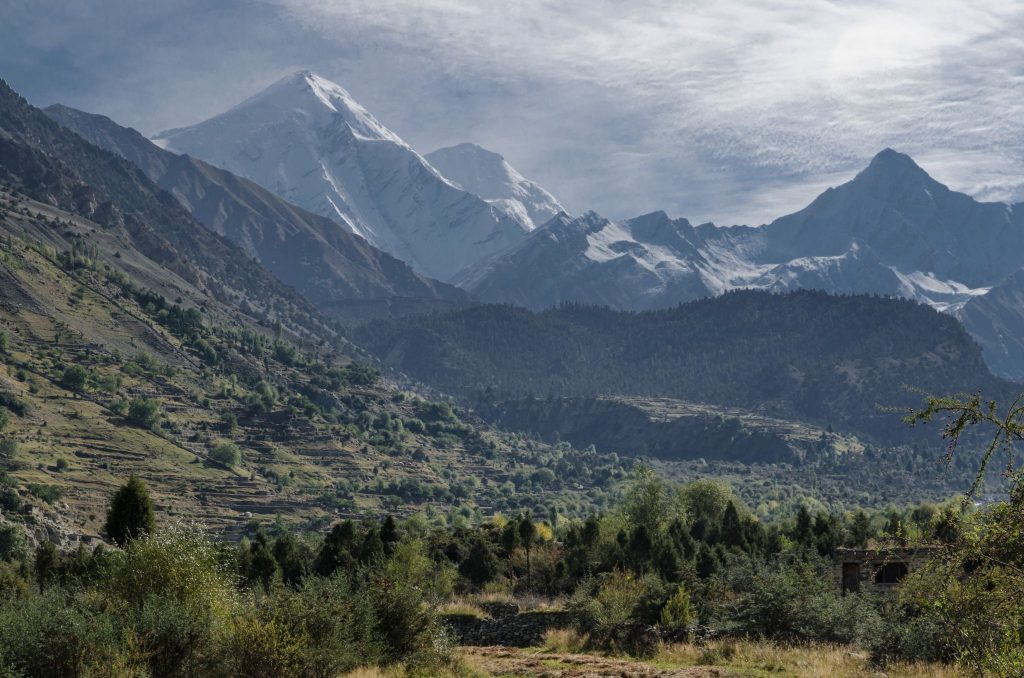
x=506, y=626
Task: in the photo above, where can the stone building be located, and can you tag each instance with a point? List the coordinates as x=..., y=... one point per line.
x=878, y=569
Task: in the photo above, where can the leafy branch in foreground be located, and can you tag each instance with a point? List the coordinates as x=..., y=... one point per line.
x=963, y=412
x=975, y=586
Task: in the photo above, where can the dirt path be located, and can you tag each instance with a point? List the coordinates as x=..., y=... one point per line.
x=507, y=661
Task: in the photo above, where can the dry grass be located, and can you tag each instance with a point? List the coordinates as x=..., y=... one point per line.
x=368, y=672
x=561, y=657
x=761, y=658
x=474, y=603
x=564, y=641
x=463, y=606
x=460, y=669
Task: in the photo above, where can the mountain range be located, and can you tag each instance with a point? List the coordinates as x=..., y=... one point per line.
x=463, y=215
x=892, y=230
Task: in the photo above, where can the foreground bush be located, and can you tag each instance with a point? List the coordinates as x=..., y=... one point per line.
x=170, y=604
x=58, y=634
x=794, y=599
x=618, y=609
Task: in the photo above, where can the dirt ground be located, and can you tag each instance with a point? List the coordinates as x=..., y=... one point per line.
x=506, y=661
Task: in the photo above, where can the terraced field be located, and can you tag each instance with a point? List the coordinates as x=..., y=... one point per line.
x=302, y=464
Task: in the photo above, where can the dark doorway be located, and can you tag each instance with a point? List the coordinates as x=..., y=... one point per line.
x=851, y=577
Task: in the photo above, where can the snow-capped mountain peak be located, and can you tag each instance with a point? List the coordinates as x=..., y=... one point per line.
x=304, y=94
x=337, y=98
x=308, y=140
x=488, y=175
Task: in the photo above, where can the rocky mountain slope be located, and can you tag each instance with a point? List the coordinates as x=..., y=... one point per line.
x=489, y=176
x=51, y=164
x=338, y=271
x=307, y=140
x=996, y=321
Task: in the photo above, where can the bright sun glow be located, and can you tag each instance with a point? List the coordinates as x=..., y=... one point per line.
x=880, y=46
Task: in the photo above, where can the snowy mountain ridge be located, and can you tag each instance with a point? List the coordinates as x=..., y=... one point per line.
x=307, y=140
x=488, y=175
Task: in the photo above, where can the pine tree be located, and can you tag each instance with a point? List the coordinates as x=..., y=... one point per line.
x=732, y=528
x=803, y=534
x=591, y=531
x=678, y=611
x=389, y=535
x=640, y=548
x=263, y=566
x=336, y=552
x=45, y=563
x=527, y=533
x=481, y=566
x=372, y=547
x=131, y=513
x=707, y=563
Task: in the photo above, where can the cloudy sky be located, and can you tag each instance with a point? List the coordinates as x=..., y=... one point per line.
x=734, y=111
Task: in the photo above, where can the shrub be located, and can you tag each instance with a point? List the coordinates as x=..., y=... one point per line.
x=542, y=477
x=226, y=454
x=10, y=500
x=678, y=611
x=415, y=426
x=337, y=628
x=794, y=599
x=13, y=403
x=74, y=378
x=604, y=605
x=110, y=383
x=435, y=411
x=48, y=493
x=55, y=634
x=144, y=412
x=228, y=422
x=12, y=542
x=177, y=562
x=175, y=636
x=260, y=648
x=8, y=446
x=912, y=634
x=410, y=631
x=264, y=396
x=614, y=610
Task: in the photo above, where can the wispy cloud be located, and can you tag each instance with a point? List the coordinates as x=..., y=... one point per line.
x=735, y=93
x=734, y=110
